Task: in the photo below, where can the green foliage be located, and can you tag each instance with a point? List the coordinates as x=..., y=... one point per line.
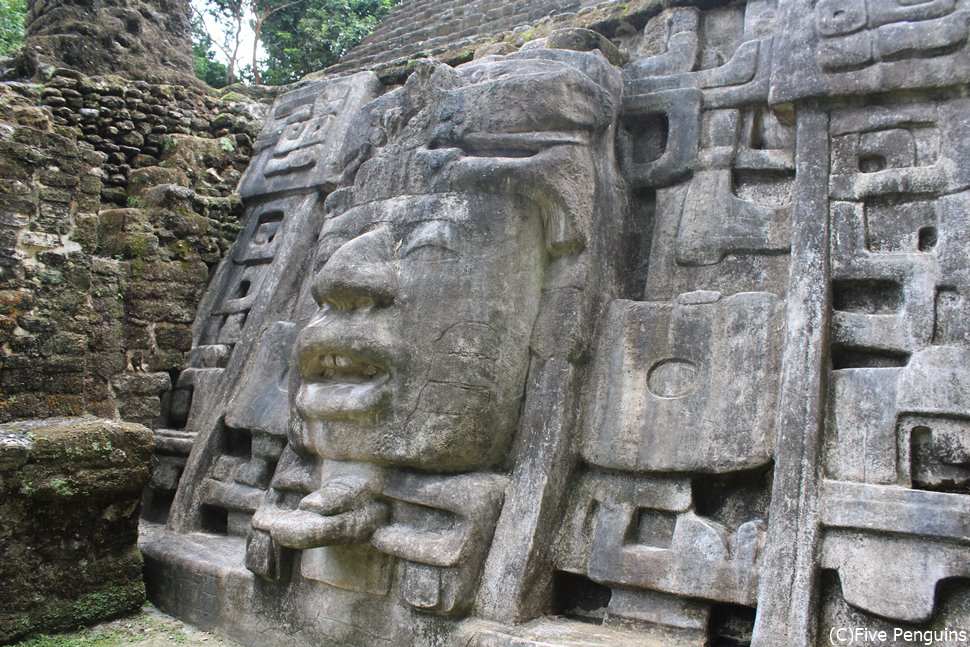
x=299, y=36
x=310, y=35
x=172, y=633
x=12, y=13
x=207, y=68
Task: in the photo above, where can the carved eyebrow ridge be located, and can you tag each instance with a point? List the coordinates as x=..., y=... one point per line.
x=524, y=144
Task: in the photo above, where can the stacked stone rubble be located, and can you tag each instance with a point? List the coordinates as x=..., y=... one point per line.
x=457, y=32
x=421, y=28
x=137, y=39
x=117, y=202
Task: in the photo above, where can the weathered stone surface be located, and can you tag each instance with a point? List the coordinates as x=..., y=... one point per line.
x=454, y=32
x=145, y=39
x=69, y=501
x=661, y=341
x=104, y=249
x=420, y=243
x=866, y=47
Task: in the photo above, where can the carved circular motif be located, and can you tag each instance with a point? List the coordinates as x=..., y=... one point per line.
x=672, y=378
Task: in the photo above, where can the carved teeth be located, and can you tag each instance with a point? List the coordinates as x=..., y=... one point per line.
x=340, y=368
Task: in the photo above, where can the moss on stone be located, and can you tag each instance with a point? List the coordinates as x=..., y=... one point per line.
x=136, y=246
x=61, y=486
x=70, y=510
x=181, y=249
x=109, y=602
x=136, y=268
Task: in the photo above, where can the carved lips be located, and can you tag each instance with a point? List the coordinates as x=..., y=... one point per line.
x=336, y=383
x=338, y=368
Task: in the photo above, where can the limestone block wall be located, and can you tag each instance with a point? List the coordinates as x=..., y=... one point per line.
x=116, y=204
x=428, y=26
x=138, y=39
x=455, y=32
x=129, y=121
x=69, y=495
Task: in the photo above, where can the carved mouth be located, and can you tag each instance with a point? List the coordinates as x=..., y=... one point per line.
x=336, y=385
x=338, y=368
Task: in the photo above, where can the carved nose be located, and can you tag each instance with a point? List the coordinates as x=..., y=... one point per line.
x=359, y=274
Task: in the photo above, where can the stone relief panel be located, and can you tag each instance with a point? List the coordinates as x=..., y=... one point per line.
x=696, y=413
x=370, y=447
x=897, y=429
x=707, y=136
x=543, y=350
x=245, y=297
x=667, y=412
x=441, y=247
x=869, y=46
x=302, y=143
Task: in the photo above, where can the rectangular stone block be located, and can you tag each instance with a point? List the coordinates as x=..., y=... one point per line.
x=668, y=393
x=69, y=501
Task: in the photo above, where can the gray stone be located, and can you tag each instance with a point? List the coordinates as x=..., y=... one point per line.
x=553, y=349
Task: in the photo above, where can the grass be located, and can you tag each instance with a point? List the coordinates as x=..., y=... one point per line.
x=82, y=639
x=150, y=628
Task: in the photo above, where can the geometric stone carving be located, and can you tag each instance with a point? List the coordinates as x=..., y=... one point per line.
x=302, y=143
x=668, y=398
x=902, y=583
x=898, y=410
x=223, y=402
x=678, y=350
x=869, y=46
x=703, y=560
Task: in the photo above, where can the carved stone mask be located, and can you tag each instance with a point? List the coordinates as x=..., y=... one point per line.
x=419, y=350
x=435, y=261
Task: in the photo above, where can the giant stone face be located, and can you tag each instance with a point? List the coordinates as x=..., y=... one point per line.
x=419, y=349
x=434, y=266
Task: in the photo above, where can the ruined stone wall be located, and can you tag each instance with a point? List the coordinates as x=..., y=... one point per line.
x=454, y=31
x=423, y=27
x=140, y=39
x=117, y=203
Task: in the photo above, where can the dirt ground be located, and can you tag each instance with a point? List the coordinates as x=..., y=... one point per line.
x=150, y=628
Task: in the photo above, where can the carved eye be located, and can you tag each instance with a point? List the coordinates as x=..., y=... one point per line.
x=430, y=241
